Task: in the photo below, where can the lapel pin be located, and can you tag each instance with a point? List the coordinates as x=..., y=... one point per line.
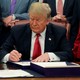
x=49, y=39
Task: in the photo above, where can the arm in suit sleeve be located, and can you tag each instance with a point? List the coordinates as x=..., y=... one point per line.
x=24, y=15
x=6, y=47
x=65, y=52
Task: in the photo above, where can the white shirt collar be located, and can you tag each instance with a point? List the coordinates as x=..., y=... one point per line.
x=42, y=34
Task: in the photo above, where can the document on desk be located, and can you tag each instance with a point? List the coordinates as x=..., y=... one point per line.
x=50, y=64
x=14, y=73
x=22, y=63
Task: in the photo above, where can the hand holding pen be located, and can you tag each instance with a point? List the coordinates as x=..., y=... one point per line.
x=15, y=55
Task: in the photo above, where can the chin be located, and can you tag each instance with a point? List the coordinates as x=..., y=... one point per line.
x=35, y=31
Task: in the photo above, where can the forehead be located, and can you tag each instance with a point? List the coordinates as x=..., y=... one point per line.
x=35, y=15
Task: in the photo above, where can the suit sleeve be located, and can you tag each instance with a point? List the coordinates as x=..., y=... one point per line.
x=65, y=52
x=7, y=47
x=24, y=15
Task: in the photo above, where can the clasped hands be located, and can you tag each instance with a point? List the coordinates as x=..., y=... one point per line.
x=16, y=56
x=59, y=20
x=9, y=21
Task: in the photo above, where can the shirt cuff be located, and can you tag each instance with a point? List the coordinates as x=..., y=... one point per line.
x=53, y=57
x=6, y=58
x=14, y=17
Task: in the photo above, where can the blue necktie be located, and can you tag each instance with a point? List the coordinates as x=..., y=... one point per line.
x=13, y=2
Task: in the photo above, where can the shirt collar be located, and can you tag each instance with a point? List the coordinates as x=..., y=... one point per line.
x=42, y=34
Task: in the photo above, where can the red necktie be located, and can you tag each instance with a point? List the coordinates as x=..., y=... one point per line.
x=60, y=7
x=37, y=47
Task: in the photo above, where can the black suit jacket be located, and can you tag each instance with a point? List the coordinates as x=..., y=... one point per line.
x=20, y=38
x=75, y=22
x=67, y=11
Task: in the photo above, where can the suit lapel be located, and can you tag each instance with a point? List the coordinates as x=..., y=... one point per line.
x=7, y=4
x=66, y=3
x=53, y=6
x=49, y=40
x=27, y=41
x=54, y=3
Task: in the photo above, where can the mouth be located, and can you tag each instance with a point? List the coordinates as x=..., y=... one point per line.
x=35, y=27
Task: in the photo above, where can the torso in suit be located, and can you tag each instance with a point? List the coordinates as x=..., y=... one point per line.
x=75, y=22
x=20, y=37
x=67, y=11
x=20, y=11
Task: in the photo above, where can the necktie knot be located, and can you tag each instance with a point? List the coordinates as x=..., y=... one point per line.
x=38, y=35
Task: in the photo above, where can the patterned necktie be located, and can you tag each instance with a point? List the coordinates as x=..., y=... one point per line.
x=13, y=2
x=60, y=7
x=37, y=47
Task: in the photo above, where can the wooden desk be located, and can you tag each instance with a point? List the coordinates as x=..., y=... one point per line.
x=4, y=66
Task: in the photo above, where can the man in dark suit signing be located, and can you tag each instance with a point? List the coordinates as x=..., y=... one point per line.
x=52, y=39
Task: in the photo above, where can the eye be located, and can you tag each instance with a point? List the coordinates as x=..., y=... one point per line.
x=38, y=20
x=31, y=19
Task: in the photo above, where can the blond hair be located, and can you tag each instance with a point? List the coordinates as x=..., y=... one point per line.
x=41, y=9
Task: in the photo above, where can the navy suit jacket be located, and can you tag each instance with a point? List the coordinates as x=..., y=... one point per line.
x=67, y=10
x=75, y=22
x=20, y=37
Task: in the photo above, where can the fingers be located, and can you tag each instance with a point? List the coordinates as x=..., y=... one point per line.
x=42, y=58
x=15, y=55
x=59, y=18
x=12, y=23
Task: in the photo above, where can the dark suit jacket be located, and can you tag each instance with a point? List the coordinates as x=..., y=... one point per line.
x=75, y=22
x=20, y=37
x=67, y=11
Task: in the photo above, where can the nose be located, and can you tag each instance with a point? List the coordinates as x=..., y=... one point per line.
x=34, y=22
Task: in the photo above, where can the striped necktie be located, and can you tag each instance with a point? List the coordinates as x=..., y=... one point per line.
x=13, y=2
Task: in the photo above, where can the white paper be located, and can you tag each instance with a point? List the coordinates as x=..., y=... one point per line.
x=51, y=64
x=14, y=73
x=23, y=63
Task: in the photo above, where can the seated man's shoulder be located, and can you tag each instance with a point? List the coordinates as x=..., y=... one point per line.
x=20, y=27
x=57, y=28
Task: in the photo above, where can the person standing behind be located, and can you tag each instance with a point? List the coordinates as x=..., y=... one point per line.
x=63, y=17
x=39, y=40
x=75, y=31
x=12, y=11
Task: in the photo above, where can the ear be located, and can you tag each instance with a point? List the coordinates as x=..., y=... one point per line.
x=48, y=21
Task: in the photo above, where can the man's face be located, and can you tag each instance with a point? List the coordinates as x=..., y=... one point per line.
x=37, y=23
